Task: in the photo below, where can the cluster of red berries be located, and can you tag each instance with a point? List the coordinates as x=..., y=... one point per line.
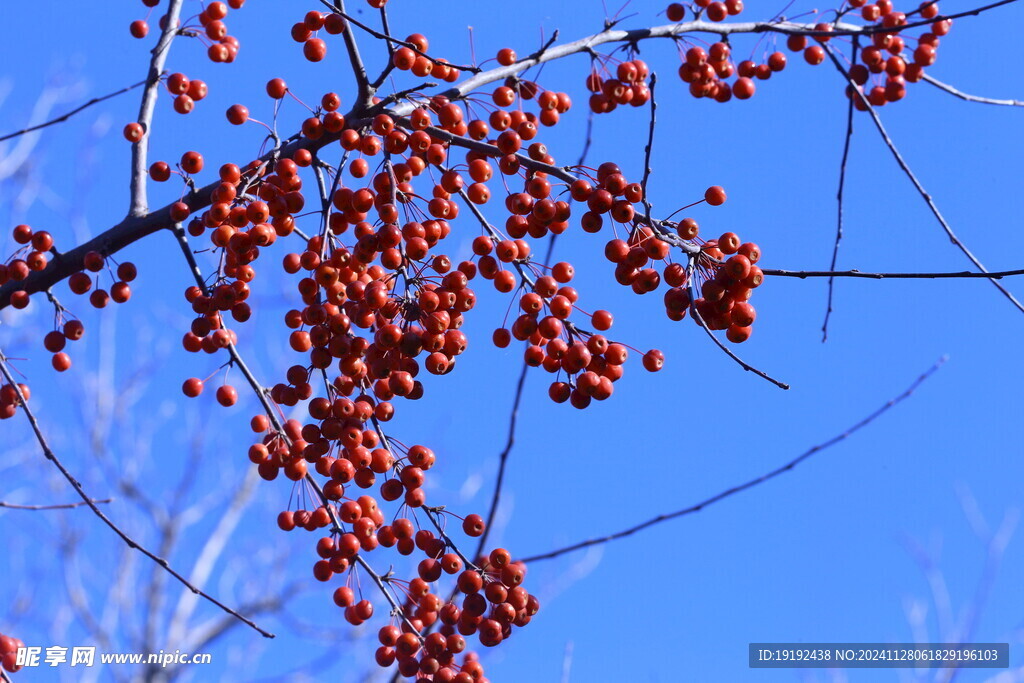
x=627, y=86
x=715, y=11
x=186, y=91
x=221, y=46
x=32, y=257
x=346, y=291
x=9, y=646
x=120, y=291
x=314, y=48
x=728, y=276
x=885, y=66
x=56, y=339
x=706, y=72
x=28, y=258
x=9, y=399
x=493, y=602
x=413, y=57
x=882, y=73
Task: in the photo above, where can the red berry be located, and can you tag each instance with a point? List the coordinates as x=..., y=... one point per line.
x=139, y=29
x=237, y=114
x=715, y=195
x=226, y=395
x=192, y=387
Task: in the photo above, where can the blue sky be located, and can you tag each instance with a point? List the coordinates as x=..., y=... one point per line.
x=823, y=553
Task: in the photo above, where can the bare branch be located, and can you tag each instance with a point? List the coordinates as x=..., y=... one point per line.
x=749, y=484
x=140, y=150
x=648, y=149
x=503, y=459
x=962, y=95
x=65, y=117
x=354, y=58
x=856, y=92
x=52, y=457
x=65, y=506
x=839, y=201
x=802, y=274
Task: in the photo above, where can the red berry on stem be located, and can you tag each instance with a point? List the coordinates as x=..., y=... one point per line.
x=715, y=195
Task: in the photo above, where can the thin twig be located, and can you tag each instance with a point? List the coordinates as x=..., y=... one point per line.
x=588, y=139
x=389, y=66
x=65, y=117
x=856, y=92
x=749, y=484
x=839, y=201
x=140, y=150
x=962, y=95
x=355, y=59
x=893, y=276
x=65, y=506
x=52, y=457
x=647, y=151
x=503, y=459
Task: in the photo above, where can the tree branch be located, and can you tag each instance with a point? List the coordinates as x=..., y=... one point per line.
x=962, y=95
x=140, y=150
x=747, y=485
x=354, y=58
x=802, y=274
x=839, y=200
x=503, y=460
x=648, y=149
x=633, y=36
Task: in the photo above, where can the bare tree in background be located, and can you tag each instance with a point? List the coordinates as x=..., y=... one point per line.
x=356, y=206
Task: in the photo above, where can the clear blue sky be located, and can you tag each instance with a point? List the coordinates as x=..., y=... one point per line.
x=819, y=554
